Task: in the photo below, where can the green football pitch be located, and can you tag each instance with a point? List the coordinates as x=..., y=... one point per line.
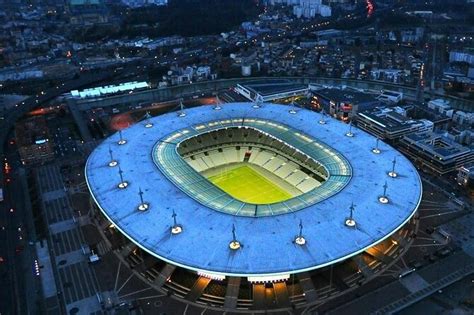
x=247, y=185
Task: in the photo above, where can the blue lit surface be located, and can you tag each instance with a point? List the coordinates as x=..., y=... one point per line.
x=267, y=242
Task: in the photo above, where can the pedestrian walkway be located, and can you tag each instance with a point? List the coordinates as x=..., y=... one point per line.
x=402, y=293
x=78, y=282
x=416, y=296
x=46, y=272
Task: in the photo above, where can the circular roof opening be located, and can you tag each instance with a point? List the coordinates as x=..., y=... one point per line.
x=251, y=167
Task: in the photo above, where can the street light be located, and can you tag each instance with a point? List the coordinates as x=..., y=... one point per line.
x=234, y=244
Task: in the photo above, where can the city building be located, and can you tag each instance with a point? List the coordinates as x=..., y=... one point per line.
x=18, y=75
x=440, y=105
x=465, y=176
x=435, y=152
x=87, y=12
x=390, y=96
x=142, y=3
x=391, y=123
x=305, y=8
x=265, y=91
x=33, y=140
x=459, y=56
x=102, y=91
x=463, y=118
x=344, y=103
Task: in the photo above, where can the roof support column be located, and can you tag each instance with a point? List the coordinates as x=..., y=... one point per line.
x=165, y=273
x=197, y=289
x=379, y=255
x=307, y=285
x=258, y=294
x=124, y=252
x=281, y=293
x=232, y=292
x=363, y=267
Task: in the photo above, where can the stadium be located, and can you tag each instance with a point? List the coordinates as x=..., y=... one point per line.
x=249, y=207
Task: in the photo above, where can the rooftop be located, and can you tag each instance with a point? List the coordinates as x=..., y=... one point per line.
x=346, y=96
x=266, y=88
x=437, y=145
x=267, y=243
x=391, y=120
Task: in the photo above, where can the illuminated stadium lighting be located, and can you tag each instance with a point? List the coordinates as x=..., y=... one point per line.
x=350, y=133
x=112, y=162
x=376, y=150
x=123, y=185
x=257, y=103
x=268, y=279
x=121, y=141
x=392, y=173
x=148, y=124
x=181, y=112
x=218, y=102
x=322, y=121
x=300, y=240
x=209, y=275
x=292, y=111
x=384, y=199
x=176, y=228
x=143, y=205
x=234, y=244
x=350, y=222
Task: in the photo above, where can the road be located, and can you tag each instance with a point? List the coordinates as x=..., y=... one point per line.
x=16, y=237
x=20, y=284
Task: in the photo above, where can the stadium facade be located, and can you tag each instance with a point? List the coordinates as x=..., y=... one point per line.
x=250, y=207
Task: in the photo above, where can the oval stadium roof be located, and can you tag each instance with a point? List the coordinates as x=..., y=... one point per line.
x=268, y=246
